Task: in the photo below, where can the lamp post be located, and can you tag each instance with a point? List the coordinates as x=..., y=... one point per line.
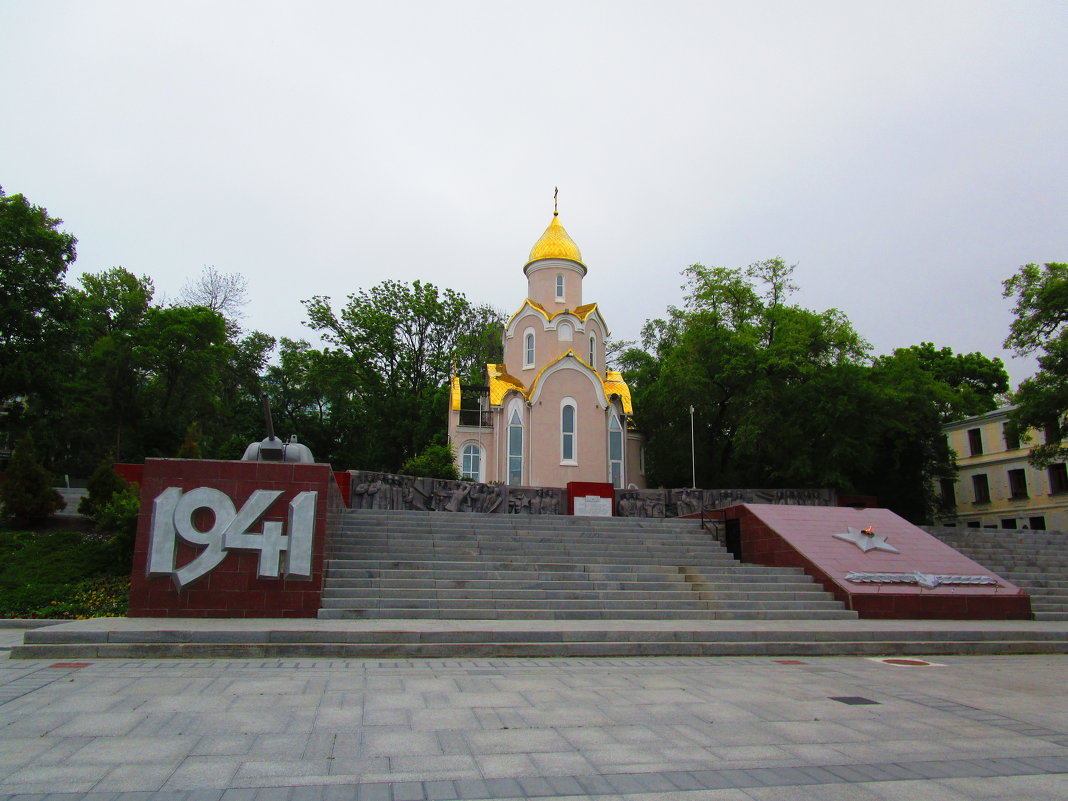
x=693, y=452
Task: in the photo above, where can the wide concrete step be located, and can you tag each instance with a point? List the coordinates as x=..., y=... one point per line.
x=572, y=589
x=486, y=613
x=130, y=638
x=592, y=601
x=441, y=566
x=386, y=582
x=557, y=567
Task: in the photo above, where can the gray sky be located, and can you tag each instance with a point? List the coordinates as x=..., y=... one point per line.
x=909, y=156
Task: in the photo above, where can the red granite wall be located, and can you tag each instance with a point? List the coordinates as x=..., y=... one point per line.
x=764, y=545
x=233, y=588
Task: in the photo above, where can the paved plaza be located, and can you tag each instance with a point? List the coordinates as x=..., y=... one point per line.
x=730, y=729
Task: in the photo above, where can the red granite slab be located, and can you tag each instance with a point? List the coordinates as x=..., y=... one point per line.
x=802, y=536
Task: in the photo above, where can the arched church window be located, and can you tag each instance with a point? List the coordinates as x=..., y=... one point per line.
x=515, y=448
x=528, y=348
x=567, y=431
x=559, y=286
x=615, y=450
x=593, y=351
x=564, y=332
x=471, y=461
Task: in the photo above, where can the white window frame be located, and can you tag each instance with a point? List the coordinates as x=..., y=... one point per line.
x=515, y=413
x=593, y=351
x=479, y=455
x=565, y=332
x=560, y=286
x=620, y=432
x=572, y=435
x=530, y=344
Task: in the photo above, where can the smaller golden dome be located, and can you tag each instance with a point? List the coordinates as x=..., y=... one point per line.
x=555, y=244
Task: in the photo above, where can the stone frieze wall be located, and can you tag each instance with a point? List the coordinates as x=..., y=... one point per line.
x=373, y=490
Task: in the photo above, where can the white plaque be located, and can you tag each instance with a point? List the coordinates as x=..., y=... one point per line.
x=593, y=506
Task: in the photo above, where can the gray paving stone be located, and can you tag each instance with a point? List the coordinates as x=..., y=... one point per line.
x=503, y=788
x=472, y=788
x=274, y=794
x=535, y=786
x=377, y=791
x=443, y=790
x=408, y=791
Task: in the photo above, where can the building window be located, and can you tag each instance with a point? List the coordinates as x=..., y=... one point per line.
x=528, y=348
x=1017, y=484
x=567, y=432
x=593, y=351
x=1037, y=523
x=1058, y=478
x=975, y=441
x=1012, y=436
x=515, y=448
x=471, y=462
x=981, y=488
x=948, y=492
x=559, y=286
x=1009, y=523
x=973, y=524
x=565, y=333
x=615, y=451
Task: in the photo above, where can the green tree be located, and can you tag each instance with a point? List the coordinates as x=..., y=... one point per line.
x=1041, y=327
x=34, y=303
x=398, y=344
x=787, y=397
x=26, y=494
x=741, y=356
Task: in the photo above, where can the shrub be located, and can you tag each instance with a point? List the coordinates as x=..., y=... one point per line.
x=103, y=596
x=118, y=520
x=436, y=461
x=27, y=495
x=102, y=484
x=37, y=568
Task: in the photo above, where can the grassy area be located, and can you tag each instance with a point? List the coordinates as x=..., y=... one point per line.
x=60, y=574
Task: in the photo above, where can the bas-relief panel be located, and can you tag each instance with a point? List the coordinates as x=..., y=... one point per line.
x=372, y=490
x=682, y=502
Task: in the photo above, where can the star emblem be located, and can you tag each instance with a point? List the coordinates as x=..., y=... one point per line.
x=866, y=540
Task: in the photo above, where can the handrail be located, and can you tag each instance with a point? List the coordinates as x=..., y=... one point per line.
x=714, y=509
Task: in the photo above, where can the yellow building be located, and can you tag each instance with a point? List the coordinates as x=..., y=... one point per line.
x=996, y=487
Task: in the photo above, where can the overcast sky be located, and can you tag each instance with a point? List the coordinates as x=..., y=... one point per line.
x=908, y=156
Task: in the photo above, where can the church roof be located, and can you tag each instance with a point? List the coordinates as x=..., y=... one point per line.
x=615, y=385
x=582, y=312
x=501, y=383
x=555, y=244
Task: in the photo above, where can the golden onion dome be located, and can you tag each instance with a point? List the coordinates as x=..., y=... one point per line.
x=555, y=244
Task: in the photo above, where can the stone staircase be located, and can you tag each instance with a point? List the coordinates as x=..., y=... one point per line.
x=411, y=565
x=1035, y=561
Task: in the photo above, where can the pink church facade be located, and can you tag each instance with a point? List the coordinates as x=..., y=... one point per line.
x=552, y=412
